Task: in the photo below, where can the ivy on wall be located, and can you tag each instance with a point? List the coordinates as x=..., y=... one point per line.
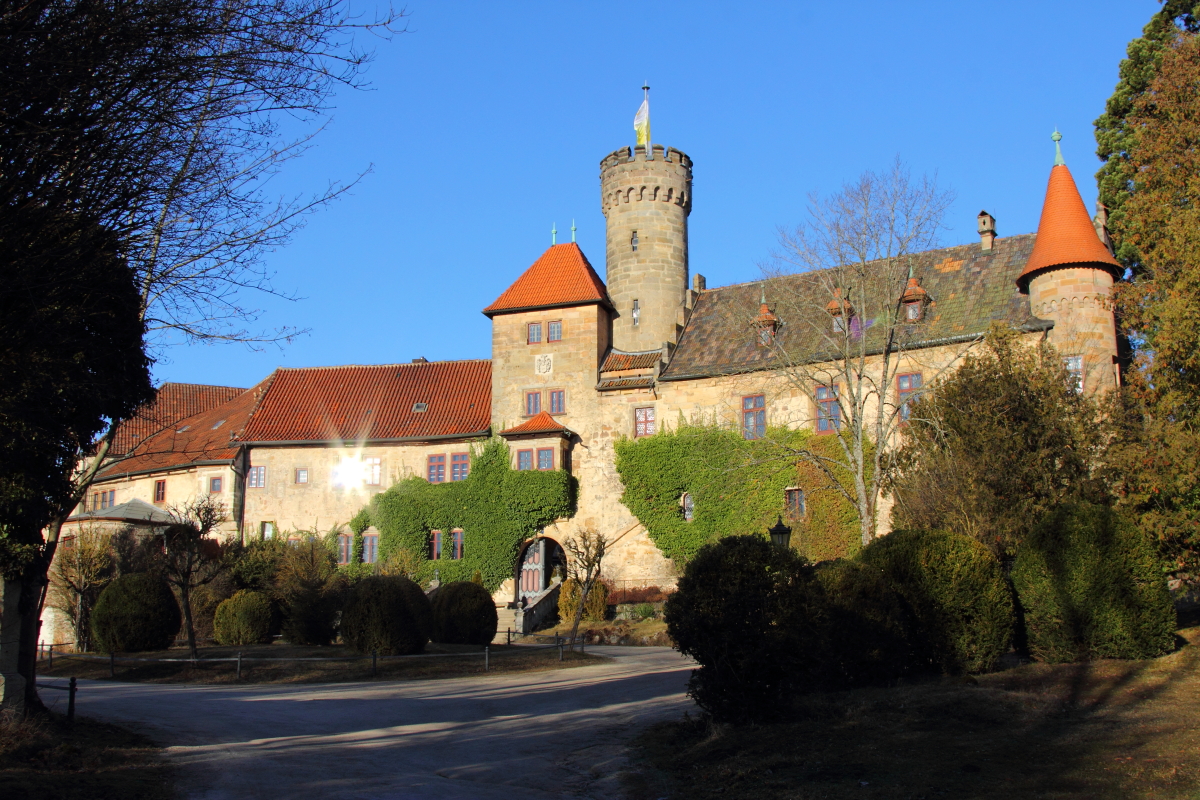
x=496, y=507
x=736, y=487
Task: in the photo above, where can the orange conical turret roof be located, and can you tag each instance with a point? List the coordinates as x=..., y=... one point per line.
x=1065, y=233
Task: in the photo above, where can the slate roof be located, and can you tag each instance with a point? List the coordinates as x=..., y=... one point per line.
x=540, y=422
x=203, y=438
x=134, y=510
x=562, y=276
x=1066, y=234
x=969, y=289
x=173, y=403
x=373, y=403
x=617, y=360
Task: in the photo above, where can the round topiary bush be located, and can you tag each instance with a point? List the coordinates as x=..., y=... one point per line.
x=1091, y=585
x=747, y=612
x=871, y=635
x=244, y=618
x=418, y=605
x=464, y=613
x=957, y=590
x=135, y=613
x=377, y=618
x=310, y=617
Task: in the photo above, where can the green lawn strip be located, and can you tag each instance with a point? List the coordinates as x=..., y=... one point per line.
x=274, y=663
x=46, y=758
x=1096, y=730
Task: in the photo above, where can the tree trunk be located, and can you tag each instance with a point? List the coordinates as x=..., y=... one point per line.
x=185, y=595
x=29, y=607
x=583, y=596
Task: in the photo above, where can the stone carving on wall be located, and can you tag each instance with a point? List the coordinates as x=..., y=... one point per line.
x=543, y=364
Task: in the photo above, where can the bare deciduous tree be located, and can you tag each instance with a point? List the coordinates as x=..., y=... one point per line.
x=847, y=334
x=81, y=570
x=192, y=557
x=585, y=554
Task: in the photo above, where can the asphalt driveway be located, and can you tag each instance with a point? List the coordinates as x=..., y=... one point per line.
x=531, y=736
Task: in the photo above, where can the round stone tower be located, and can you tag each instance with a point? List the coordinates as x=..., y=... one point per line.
x=1069, y=278
x=646, y=201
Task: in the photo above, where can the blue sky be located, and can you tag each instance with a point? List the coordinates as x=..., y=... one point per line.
x=486, y=122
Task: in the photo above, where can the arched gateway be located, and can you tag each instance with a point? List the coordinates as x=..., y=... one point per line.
x=536, y=564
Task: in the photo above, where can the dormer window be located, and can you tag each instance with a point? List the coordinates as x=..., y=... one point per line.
x=633, y=242
x=912, y=312
x=840, y=309
x=767, y=324
x=913, y=301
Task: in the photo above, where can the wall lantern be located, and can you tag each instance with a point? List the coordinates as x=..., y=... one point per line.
x=781, y=535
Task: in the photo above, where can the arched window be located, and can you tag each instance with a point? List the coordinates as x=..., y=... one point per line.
x=688, y=505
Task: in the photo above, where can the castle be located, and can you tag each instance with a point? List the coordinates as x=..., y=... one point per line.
x=579, y=362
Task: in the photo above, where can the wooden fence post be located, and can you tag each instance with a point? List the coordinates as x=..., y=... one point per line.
x=486, y=650
x=239, y=672
x=373, y=671
x=112, y=665
x=71, y=702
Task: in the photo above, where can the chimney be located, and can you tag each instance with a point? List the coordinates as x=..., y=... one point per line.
x=698, y=283
x=987, y=231
x=1100, y=223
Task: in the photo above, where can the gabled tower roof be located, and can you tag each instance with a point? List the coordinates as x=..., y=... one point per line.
x=1065, y=232
x=562, y=276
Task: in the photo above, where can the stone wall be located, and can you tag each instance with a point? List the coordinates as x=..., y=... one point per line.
x=1078, y=300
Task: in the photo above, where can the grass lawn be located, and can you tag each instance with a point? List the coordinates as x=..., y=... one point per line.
x=45, y=758
x=1105, y=729
x=453, y=661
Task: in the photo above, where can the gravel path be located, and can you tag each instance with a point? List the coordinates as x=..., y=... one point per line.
x=530, y=736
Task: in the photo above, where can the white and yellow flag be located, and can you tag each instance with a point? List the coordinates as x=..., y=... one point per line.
x=641, y=122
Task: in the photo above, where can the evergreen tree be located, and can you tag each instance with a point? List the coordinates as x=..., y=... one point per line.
x=1114, y=135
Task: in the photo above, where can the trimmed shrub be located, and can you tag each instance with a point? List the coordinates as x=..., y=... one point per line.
x=310, y=588
x=310, y=618
x=869, y=635
x=1091, y=585
x=957, y=590
x=377, y=618
x=464, y=613
x=244, y=618
x=134, y=613
x=418, y=605
x=747, y=612
x=568, y=601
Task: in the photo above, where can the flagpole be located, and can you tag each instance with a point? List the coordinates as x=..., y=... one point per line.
x=649, y=137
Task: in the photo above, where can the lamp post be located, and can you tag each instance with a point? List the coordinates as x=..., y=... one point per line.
x=781, y=535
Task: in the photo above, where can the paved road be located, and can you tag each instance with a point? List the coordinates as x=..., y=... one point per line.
x=530, y=736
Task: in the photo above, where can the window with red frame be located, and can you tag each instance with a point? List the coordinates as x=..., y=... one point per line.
x=906, y=385
x=160, y=491
x=214, y=485
x=456, y=543
x=435, y=545
x=533, y=403
x=754, y=417
x=524, y=459
x=796, y=507
x=534, y=335
x=643, y=422
x=345, y=548
x=257, y=478
x=558, y=401
x=460, y=466
x=545, y=458
x=436, y=469
x=370, y=548
x=554, y=331
x=829, y=413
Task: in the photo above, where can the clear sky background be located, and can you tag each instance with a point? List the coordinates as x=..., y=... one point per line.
x=486, y=122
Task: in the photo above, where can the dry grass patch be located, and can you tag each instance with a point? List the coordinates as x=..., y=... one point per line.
x=452, y=661
x=647, y=632
x=1105, y=729
x=45, y=758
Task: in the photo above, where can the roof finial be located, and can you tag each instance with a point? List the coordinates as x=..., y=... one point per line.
x=1058, y=159
x=910, y=269
x=572, y=231
x=554, y=233
x=762, y=297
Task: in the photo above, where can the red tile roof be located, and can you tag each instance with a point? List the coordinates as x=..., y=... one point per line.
x=561, y=277
x=541, y=422
x=617, y=361
x=173, y=403
x=1065, y=232
x=203, y=437
x=363, y=403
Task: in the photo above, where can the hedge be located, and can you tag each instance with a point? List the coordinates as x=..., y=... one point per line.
x=377, y=618
x=568, y=601
x=737, y=487
x=135, y=613
x=464, y=613
x=244, y=618
x=958, y=591
x=1091, y=585
x=497, y=507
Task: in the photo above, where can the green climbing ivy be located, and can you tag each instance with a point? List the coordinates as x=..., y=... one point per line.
x=497, y=508
x=737, y=487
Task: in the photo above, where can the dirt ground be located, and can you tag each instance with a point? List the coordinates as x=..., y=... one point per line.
x=1105, y=729
x=445, y=661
